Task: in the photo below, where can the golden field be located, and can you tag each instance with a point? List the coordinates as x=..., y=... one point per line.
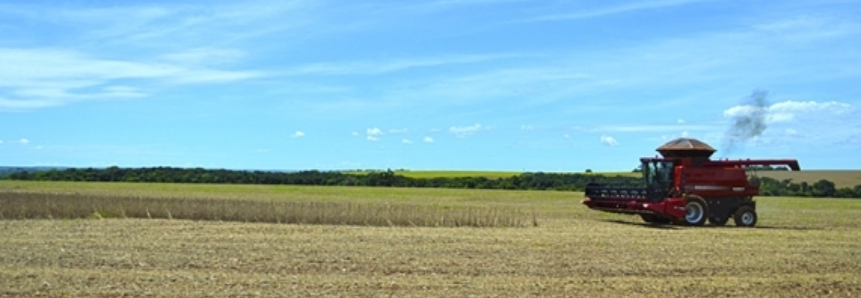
x=801, y=248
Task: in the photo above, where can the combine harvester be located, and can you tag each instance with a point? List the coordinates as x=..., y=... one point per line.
x=684, y=186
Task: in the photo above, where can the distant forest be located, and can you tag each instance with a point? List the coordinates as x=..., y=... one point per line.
x=524, y=181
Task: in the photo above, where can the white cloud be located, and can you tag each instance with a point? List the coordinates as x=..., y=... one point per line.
x=741, y=111
x=406, y=141
x=39, y=147
x=681, y=121
x=373, y=134
x=526, y=127
x=1, y=142
x=24, y=141
x=567, y=136
x=298, y=134
x=403, y=130
x=427, y=140
x=355, y=133
x=789, y=110
x=609, y=141
x=685, y=134
x=790, y=132
x=465, y=131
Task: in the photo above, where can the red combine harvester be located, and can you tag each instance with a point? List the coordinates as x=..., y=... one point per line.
x=685, y=186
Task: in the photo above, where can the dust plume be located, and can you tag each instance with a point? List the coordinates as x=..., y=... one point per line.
x=748, y=122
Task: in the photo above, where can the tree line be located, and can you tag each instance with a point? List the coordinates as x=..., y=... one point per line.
x=822, y=188
x=388, y=178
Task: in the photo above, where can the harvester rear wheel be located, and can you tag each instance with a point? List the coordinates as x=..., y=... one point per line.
x=696, y=210
x=745, y=217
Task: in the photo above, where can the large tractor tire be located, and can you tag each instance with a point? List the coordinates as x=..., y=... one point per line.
x=745, y=217
x=654, y=219
x=696, y=211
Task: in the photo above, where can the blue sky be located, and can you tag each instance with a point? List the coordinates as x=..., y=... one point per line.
x=449, y=84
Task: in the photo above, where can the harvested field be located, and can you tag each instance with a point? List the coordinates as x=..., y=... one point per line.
x=802, y=248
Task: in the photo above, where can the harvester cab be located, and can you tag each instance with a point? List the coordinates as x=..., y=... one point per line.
x=658, y=178
x=685, y=186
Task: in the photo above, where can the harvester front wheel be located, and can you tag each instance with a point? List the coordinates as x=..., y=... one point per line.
x=745, y=217
x=696, y=211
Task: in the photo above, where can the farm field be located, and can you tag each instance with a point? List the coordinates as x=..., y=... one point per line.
x=801, y=248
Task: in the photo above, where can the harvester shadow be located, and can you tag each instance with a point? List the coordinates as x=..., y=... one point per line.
x=643, y=224
x=787, y=228
x=678, y=227
x=709, y=226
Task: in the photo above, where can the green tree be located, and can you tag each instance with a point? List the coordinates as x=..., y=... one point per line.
x=824, y=188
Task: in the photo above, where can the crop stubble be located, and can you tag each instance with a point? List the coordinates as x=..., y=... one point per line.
x=574, y=252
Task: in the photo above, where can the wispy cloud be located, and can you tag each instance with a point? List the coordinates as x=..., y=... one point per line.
x=612, y=10
x=37, y=78
x=204, y=56
x=651, y=128
x=298, y=134
x=129, y=51
x=694, y=64
x=427, y=140
x=808, y=28
x=424, y=7
x=183, y=23
x=388, y=66
x=24, y=141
